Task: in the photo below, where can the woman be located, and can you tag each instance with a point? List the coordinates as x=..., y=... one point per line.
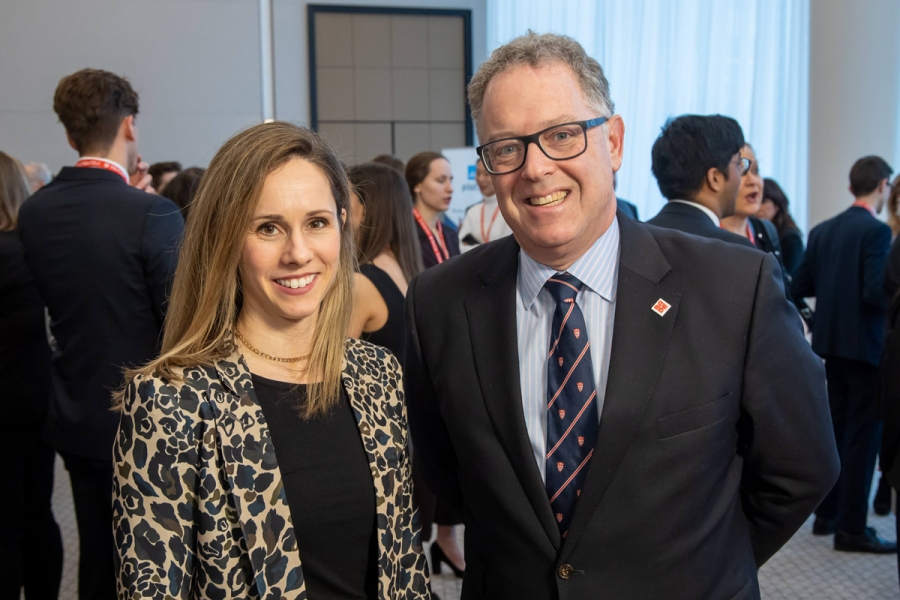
x=893, y=208
x=430, y=182
x=182, y=189
x=761, y=234
x=387, y=252
x=263, y=454
x=775, y=209
x=31, y=531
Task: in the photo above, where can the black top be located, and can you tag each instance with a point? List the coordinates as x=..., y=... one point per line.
x=329, y=490
x=451, y=239
x=24, y=353
x=393, y=335
x=844, y=270
x=102, y=255
x=690, y=219
x=791, y=248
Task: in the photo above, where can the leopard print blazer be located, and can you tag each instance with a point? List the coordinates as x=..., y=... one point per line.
x=199, y=508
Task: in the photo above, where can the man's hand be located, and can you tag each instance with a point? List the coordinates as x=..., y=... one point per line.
x=140, y=178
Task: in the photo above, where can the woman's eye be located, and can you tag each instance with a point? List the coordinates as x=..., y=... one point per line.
x=318, y=223
x=268, y=229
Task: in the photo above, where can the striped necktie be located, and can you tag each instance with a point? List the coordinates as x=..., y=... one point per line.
x=571, y=401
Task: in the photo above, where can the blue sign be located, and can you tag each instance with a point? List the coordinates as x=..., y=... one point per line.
x=472, y=171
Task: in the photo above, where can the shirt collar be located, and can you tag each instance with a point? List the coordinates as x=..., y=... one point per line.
x=490, y=199
x=709, y=213
x=596, y=268
x=123, y=170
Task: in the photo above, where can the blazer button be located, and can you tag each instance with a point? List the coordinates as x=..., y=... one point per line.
x=565, y=571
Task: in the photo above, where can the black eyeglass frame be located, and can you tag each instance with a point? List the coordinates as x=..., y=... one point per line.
x=535, y=138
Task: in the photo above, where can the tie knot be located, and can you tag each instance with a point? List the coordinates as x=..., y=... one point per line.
x=563, y=287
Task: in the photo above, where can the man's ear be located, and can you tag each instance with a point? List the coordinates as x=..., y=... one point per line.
x=72, y=143
x=615, y=140
x=715, y=179
x=128, y=128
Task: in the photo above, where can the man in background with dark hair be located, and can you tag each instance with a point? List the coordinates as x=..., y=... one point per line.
x=844, y=270
x=697, y=163
x=162, y=173
x=102, y=254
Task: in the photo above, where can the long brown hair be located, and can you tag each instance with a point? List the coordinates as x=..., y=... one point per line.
x=14, y=190
x=206, y=295
x=388, y=220
x=782, y=220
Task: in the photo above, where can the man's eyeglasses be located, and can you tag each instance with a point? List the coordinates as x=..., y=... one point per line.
x=560, y=142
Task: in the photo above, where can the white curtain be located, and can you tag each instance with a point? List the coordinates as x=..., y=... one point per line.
x=748, y=59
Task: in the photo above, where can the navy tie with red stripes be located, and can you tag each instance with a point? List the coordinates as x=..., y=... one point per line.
x=571, y=401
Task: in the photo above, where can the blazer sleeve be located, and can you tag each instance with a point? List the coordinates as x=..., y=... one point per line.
x=877, y=246
x=792, y=250
x=804, y=282
x=787, y=441
x=160, y=244
x=432, y=449
x=156, y=493
x=413, y=582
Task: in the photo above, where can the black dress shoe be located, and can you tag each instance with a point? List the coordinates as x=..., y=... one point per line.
x=867, y=541
x=438, y=557
x=882, y=503
x=822, y=526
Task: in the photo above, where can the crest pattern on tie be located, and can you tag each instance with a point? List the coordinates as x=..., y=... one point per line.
x=571, y=401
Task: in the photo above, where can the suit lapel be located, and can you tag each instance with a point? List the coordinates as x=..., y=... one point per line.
x=640, y=341
x=491, y=316
x=256, y=484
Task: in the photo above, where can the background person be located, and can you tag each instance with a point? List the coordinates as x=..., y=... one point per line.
x=391, y=161
x=256, y=337
x=182, y=189
x=31, y=552
x=102, y=254
x=698, y=167
x=843, y=269
x=162, y=173
x=775, y=208
x=430, y=182
x=483, y=221
x=38, y=175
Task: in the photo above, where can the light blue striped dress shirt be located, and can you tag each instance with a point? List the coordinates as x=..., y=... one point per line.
x=598, y=269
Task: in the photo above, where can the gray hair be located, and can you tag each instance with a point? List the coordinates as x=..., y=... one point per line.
x=534, y=49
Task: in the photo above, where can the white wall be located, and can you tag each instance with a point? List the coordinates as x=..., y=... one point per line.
x=195, y=64
x=853, y=95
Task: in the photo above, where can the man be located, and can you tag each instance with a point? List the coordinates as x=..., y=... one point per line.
x=698, y=166
x=162, y=173
x=844, y=270
x=714, y=441
x=483, y=221
x=102, y=254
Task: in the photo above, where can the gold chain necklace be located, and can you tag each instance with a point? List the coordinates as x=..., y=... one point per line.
x=264, y=355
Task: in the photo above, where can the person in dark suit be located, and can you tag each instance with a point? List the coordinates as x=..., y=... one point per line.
x=844, y=270
x=890, y=404
x=628, y=209
x=102, y=254
x=30, y=531
x=698, y=166
x=714, y=441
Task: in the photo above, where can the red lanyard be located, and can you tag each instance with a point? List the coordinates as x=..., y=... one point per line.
x=862, y=204
x=750, y=235
x=486, y=235
x=99, y=163
x=436, y=246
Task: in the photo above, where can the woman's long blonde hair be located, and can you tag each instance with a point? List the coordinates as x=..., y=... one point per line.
x=14, y=190
x=206, y=295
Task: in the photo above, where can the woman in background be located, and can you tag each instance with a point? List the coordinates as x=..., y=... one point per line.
x=264, y=454
x=430, y=182
x=182, y=189
x=388, y=254
x=31, y=551
x=775, y=209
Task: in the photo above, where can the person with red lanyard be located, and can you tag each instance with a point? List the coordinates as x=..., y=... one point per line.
x=483, y=222
x=761, y=233
x=102, y=253
x=430, y=182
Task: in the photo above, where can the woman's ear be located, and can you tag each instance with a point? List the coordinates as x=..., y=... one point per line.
x=343, y=216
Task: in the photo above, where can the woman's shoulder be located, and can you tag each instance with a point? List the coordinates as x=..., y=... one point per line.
x=371, y=359
x=185, y=387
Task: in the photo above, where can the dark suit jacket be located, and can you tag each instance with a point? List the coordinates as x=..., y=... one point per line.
x=627, y=208
x=890, y=397
x=844, y=270
x=24, y=353
x=102, y=255
x=686, y=218
x=892, y=275
x=792, y=249
x=715, y=441
x=451, y=237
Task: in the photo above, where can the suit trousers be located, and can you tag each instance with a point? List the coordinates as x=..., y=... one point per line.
x=853, y=395
x=92, y=495
x=31, y=553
